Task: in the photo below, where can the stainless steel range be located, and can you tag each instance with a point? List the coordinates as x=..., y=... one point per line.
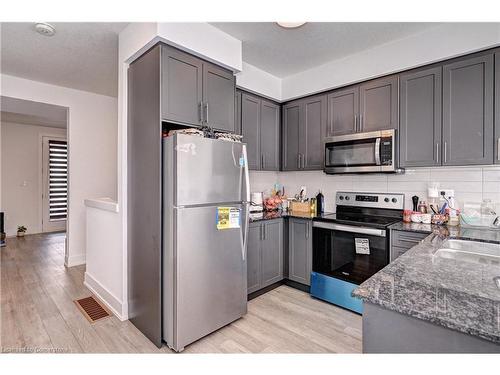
x=352, y=245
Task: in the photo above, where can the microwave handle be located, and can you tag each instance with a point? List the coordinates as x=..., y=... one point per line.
x=377, y=151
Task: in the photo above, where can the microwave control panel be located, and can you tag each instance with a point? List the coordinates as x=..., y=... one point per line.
x=386, y=151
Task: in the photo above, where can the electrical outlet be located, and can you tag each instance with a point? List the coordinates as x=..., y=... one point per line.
x=446, y=193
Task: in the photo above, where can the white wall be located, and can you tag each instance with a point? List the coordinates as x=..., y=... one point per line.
x=438, y=43
x=21, y=174
x=470, y=183
x=92, y=142
x=259, y=81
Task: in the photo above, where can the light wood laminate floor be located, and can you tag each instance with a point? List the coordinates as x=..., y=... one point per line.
x=38, y=314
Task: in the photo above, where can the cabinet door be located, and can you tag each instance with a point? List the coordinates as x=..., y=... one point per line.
x=300, y=250
x=291, y=136
x=497, y=107
x=272, y=252
x=313, y=131
x=237, y=112
x=250, y=128
x=379, y=104
x=181, y=87
x=218, y=97
x=420, y=127
x=468, y=111
x=269, y=136
x=343, y=110
x=254, y=257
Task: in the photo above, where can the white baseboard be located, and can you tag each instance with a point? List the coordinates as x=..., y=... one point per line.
x=105, y=296
x=74, y=260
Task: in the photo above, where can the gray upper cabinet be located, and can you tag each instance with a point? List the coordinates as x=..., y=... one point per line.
x=260, y=124
x=218, y=97
x=250, y=128
x=269, y=136
x=253, y=257
x=468, y=111
x=265, y=254
x=291, y=136
x=196, y=92
x=300, y=250
x=237, y=112
x=313, y=132
x=343, y=111
x=272, y=252
x=304, y=128
x=378, y=104
x=181, y=87
x=497, y=107
x=420, y=123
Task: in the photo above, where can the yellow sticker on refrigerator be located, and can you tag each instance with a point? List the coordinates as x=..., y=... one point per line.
x=228, y=217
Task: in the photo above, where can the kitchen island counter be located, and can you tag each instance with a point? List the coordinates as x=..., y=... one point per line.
x=455, y=294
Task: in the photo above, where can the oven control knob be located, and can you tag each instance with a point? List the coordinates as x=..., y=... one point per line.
x=394, y=200
x=386, y=199
x=341, y=197
x=347, y=198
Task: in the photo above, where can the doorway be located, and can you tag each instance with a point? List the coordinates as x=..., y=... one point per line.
x=34, y=166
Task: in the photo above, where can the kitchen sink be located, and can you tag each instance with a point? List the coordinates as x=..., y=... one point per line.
x=470, y=251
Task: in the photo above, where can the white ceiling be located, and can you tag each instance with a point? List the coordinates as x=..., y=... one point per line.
x=82, y=55
x=283, y=52
x=27, y=112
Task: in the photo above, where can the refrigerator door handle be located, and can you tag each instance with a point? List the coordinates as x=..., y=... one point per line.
x=247, y=202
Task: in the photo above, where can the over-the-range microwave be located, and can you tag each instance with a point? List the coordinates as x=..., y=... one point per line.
x=369, y=152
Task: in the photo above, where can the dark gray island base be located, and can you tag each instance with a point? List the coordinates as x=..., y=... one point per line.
x=421, y=303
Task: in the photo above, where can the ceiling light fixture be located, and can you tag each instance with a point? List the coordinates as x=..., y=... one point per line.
x=290, y=25
x=45, y=29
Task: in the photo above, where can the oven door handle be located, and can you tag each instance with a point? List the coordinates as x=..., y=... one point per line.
x=377, y=151
x=348, y=228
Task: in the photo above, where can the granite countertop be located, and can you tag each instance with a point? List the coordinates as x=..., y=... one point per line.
x=270, y=215
x=452, y=293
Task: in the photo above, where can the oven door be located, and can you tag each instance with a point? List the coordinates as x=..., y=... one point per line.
x=349, y=253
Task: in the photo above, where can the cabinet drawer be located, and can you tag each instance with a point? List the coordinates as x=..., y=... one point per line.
x=397, y=251
x=407, y=239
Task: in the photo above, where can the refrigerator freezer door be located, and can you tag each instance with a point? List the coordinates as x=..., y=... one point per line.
x=208, y=171
x=210, y=275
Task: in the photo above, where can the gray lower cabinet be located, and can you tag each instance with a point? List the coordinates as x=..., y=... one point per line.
x=343, y=111
x=260, y=124
x=402, y=241
x=264, y=254
x=497, y=107
x=420, y=122
x=378, y=104
x=468, y=110
x=304, y=129
x=196, y=92
x=300, y=250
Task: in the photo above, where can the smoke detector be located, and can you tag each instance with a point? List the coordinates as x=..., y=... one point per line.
x=290, y=25
x=45, y=29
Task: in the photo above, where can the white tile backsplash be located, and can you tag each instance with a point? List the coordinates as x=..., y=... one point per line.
x=469, y=183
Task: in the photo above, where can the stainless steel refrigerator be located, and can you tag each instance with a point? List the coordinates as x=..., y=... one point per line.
x=205, y=229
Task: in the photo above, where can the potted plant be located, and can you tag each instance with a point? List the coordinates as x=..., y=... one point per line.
x=21, y=230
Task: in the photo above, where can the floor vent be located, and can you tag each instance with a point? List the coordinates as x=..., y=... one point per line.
x=92, y=309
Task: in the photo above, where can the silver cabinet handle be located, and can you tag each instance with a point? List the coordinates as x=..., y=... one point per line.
x=206, y=112
x=360, y=124
x=298, y=161
x=437, y=152
x=200, y=111
x=445, y=156
x=498, y=149
x=355, y=123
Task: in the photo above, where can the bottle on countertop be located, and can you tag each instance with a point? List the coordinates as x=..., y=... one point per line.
x=320, y=203
x=312, y=205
